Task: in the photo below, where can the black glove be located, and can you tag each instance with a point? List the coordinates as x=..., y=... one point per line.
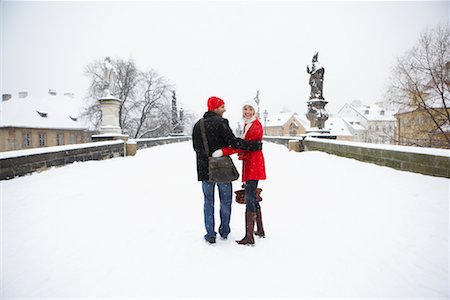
x=255, y=145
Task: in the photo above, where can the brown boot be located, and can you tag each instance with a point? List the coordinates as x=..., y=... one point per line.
x=249, y=227
x=259, y=225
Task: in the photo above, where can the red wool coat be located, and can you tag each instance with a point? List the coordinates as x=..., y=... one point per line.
x=253, y=167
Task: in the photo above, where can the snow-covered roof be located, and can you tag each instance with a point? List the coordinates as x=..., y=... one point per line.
x=354, y=123
x=49, y=111
x=337, y=126
x=278, y=120
x=435, y=103
x=374, y=112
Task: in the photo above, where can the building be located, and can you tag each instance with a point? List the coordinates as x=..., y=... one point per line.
x=369, y=123
x=285, y=124
x=29, y=122
x=294, y=124
x=416, y=127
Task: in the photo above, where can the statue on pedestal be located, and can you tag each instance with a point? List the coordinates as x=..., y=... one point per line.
x=257, y=102
x=316, y=78
x=110, y=106
x=316, y=114
x=109, y=77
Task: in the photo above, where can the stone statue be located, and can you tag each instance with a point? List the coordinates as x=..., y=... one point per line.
x=257, y=102
x=317, y=113
x=316, y=78
x=109, y=77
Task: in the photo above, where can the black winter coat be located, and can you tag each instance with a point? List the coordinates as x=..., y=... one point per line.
x=218, y=135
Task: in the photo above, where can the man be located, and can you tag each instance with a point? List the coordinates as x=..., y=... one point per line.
x=218, y=135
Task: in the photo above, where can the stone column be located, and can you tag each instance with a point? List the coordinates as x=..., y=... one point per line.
x=110, y=116
x=110, y=126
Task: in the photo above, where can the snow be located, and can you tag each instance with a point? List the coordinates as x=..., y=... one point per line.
x=335, y=125
x=62, y=112
x=279, y=119
x=374, y=112
x=354, y=123
x=410, y=149
x=132, y=227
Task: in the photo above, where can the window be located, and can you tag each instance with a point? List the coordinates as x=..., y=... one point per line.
x=26, y=139
x=42, y=114
x=293, y=129
x=42, y=139
x=59, y=138
x=72, y=138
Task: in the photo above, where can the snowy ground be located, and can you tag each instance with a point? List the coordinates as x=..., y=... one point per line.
x=132, y=227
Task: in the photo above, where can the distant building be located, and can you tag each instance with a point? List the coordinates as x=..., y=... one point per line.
x=30, y=122
x=285, y=124
x=416, y=128
x=369, y=123
x=293, y=124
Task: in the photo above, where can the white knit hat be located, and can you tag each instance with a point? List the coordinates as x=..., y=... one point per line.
x=253, y=104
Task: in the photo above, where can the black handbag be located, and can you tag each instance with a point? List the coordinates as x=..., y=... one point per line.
x=220, y=169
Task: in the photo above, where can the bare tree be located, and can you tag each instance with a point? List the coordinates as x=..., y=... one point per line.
x=421, y=83
x=154, y=98
x=143, y=107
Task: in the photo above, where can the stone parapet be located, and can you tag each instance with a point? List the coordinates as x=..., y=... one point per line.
x=146, y=143
x=22, y=162
x=428, y=161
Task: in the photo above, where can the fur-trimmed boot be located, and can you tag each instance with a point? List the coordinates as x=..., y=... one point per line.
x=249, y=227
x=259, y=225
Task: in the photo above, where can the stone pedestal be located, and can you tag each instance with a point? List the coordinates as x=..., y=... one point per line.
x=131, y=148
x=294, y=145
x=110, y=127
x=317, y=115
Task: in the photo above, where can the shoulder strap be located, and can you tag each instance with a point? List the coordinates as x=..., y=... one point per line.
x=203, y=131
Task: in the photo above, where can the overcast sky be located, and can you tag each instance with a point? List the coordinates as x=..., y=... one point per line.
x=227, y=49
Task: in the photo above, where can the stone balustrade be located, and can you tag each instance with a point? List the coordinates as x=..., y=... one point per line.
x=22, y=162
x=428, y=161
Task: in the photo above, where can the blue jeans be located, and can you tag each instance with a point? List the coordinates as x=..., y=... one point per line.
x=251, y=204
x=225, y=191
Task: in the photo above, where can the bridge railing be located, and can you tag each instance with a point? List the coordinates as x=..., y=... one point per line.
x=428, y=161
x=22, y=162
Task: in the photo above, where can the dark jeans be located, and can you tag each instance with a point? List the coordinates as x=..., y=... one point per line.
x=251, y=204
x=225, y=191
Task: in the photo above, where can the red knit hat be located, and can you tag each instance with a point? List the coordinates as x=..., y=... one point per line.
x=214, y=102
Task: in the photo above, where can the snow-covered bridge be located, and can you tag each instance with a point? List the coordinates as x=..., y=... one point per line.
x=133, y=227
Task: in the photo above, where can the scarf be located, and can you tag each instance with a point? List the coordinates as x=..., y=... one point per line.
x=247, y=124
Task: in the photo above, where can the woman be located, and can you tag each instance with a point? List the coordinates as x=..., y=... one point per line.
x=253, y=170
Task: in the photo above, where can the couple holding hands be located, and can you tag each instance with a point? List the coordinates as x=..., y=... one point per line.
x=222, y=142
